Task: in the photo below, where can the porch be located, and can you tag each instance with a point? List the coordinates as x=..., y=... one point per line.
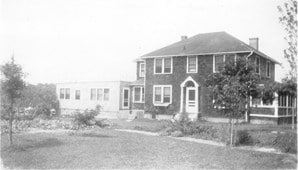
x=280, y=110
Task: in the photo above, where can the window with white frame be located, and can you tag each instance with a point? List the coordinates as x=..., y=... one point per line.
x=192, y=64
x=162, y=94
x=106, y=95
x=138, y=94
x=268, y=69
x=62, y=93
x=65, y=93
x=93, y=94
x=78, y=95
x=142, y=70
x=218, y=62
x=257, y=63
x=99, y=94
x=163, y=65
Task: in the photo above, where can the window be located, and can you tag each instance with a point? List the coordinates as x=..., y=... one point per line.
x=142, y=70
x=162, y=95
x=163, y=65
x=229, y=58
x=93, y=94
x=268, y=69
x=218, y=63
x=106, y=96
x=67, y=93
x=138, y=95
x=257, y=62
x=192, y=64
x=62, y=93
x=78, y=95
x=99, y=94
x=167, y=65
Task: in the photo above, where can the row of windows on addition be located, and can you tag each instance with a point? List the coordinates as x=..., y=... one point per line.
x=100, y=94
x=165, y=65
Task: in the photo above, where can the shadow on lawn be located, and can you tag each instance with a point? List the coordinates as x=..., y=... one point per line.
x=46, y=143
x=91, y=134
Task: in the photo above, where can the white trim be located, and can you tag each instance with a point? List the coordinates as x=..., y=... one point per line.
x=128, y=100
x=140, y=66
x=271, y=116
x=163, y=65
x=182, y=85
x=141, y=94
x=187, y=64
x=162, y=95
x=195, y=100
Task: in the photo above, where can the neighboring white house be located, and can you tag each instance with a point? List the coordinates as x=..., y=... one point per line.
x=112, y=96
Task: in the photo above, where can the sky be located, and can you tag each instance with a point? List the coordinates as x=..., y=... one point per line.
x=98, y=40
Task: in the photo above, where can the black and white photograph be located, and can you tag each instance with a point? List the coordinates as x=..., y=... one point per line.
x=148, y=84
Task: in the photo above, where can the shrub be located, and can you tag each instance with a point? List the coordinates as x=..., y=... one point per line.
x=243, y=138
x=85, y=118
x=286, y=142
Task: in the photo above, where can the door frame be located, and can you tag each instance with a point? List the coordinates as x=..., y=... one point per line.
x=128, y=98
x=195, y=100
x=182, y=98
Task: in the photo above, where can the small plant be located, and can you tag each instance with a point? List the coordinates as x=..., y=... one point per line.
x=243, y=138
x=86, y=118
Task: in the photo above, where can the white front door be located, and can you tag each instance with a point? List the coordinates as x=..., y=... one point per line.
x=191, y=105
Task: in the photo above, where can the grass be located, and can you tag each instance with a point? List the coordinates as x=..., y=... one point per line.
x=109, y=149
x=262, y=135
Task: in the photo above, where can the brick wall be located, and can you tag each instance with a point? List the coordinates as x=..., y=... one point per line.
x=205, y=64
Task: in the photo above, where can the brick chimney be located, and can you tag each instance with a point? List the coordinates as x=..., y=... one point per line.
x=254, y=42
x=183, y=37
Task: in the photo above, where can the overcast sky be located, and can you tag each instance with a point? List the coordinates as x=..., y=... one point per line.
x=98, y=40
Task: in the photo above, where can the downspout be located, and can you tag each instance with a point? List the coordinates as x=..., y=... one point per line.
x=247, y=112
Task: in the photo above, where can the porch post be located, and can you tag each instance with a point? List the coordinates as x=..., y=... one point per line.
x=181, y=99
x=275, y=104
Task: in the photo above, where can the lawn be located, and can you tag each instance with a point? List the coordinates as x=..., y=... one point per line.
x=281, y=137
x=109, y=149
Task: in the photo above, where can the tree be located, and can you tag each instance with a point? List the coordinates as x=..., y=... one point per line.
x=41, y=97
x=12, y=86
x=288, y=19
x=231, y=89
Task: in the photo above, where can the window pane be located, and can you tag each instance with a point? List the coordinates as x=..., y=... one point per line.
x=67, y=93
x=167, y=94
x=257, y=65
x=167, y=65
x=157, y=95
x=158, y=65
x=256, y=101
x=125, y=94
x=106, y=94
x=62, y=91
x=191, y=95
x=99, y=94
x=192, y=64
x=93, y=94
x=142, y=70
x=78, y=94
x=137, y=94
x=219, y=62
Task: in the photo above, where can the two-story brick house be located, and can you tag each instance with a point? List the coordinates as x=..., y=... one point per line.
x=172, y=78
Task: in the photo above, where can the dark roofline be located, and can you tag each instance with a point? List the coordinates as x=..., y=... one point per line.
x=248, y=47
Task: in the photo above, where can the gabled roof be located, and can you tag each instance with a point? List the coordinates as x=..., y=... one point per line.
x=207, y=43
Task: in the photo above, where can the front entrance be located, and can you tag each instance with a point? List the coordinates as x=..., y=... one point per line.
x=191, y=105
x=189, y=100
